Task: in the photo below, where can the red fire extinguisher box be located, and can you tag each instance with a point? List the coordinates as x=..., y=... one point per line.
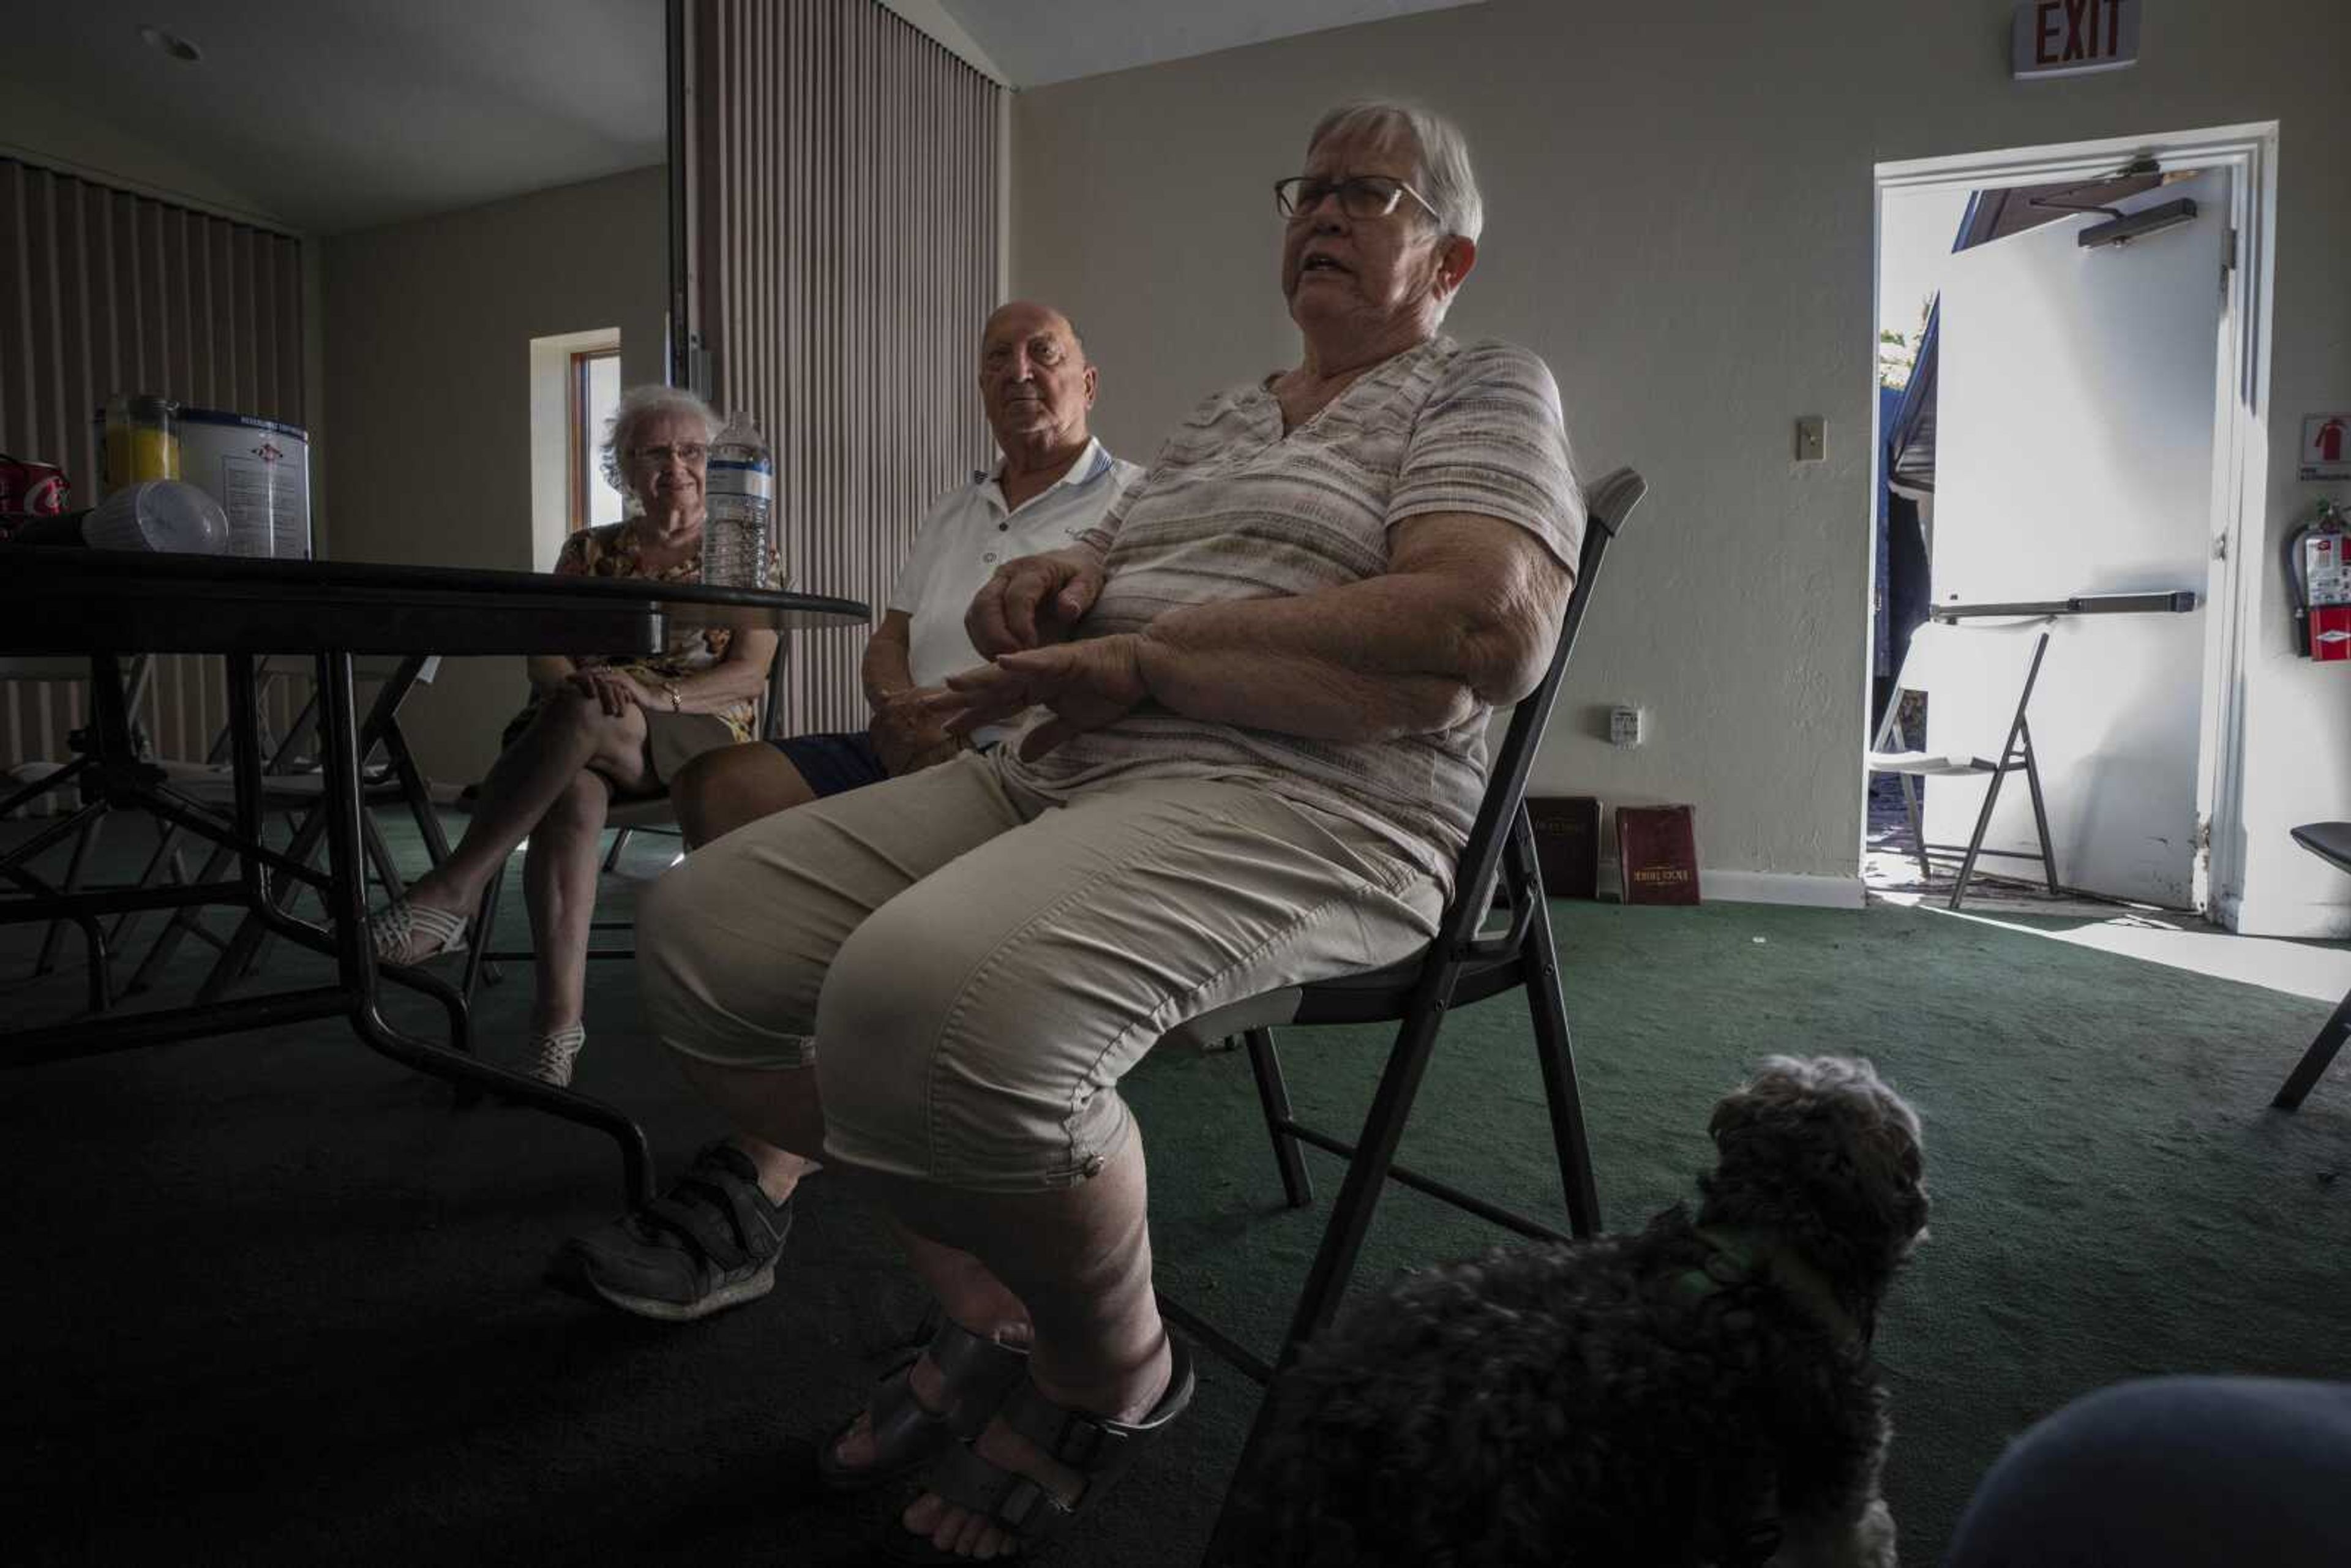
x=2330, y=630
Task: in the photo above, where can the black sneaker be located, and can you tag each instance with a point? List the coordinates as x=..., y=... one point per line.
x=709, y=1243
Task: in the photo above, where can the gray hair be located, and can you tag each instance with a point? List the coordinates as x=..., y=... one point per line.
x=637, y=406
x=1445, y=176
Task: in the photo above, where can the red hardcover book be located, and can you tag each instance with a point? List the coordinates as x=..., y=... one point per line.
x=1567, y=843
x=1656, y=854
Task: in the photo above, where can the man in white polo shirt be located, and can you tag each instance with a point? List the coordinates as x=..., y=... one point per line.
x=1055, y=482
x=712, y=1241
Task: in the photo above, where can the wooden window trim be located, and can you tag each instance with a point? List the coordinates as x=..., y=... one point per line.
x=580, y=485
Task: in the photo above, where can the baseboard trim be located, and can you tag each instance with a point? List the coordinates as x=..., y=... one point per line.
x=1781, y=887
x=2288, y=918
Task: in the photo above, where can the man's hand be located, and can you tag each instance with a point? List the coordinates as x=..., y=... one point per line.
x=615, y=691
x=1085, y=685
x=1033, y=600
x=907, y=734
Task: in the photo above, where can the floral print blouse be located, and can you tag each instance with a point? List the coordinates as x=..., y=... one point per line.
x=612, y=550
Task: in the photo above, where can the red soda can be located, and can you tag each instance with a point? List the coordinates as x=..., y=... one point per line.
x=40, y=489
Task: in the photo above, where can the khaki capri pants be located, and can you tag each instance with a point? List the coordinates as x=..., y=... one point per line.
x=984, y=964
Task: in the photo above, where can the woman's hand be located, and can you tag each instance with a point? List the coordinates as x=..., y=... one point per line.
x=1085, y=685
x=907, y=734
x=1033, y=600
x=615, y=691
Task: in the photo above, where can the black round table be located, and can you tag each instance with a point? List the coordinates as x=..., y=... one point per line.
x=106, y=604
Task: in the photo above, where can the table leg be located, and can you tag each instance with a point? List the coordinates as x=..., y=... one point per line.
x=355, y=959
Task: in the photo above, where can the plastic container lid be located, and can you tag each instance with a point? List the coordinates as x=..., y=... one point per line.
x=158, y=515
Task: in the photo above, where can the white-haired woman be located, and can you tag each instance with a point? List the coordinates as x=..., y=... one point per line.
x=1268, y=676
x=595, y=728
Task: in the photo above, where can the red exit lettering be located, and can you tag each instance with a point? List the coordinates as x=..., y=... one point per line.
x=2068, y=30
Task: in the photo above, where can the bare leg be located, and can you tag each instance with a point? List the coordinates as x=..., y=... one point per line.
x=570, y=734
x=973, y=1299
x=715, y=794
x=720, y=791
x=776, y=1117
x=1074, y=1262
x=559, y=879
x=1079, y=1258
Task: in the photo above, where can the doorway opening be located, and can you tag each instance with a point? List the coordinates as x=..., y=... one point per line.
x=2071, y=382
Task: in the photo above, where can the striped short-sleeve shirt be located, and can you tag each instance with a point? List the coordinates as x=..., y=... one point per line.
x=1235, y=509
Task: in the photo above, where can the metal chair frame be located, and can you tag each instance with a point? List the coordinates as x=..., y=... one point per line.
x=1462, y=965
x=83, y=825
x=2016, y=757
x=298, y=797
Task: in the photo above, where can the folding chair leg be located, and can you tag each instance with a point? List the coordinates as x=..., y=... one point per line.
x=1273, y=1098
x=167, y=854
x=251, y=935
x=379, y=854
x=1350, y=1220
x=612, y=855
x=2040, y=810
x=1976, y=838
x=486, y=920
x=1917, y=826
x=2314, y=1062
x=90, y=829
x=1555, y=1051
x=183, y=921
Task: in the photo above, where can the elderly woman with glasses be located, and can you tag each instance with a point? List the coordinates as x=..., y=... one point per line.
x=595, y=728
x=1263, y=687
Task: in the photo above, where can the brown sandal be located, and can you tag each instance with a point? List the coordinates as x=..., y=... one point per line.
x=908, y=1433
x=1096, y=1447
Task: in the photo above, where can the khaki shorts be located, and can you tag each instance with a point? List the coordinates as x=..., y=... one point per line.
x=675, y=739
x=672, y=740
x=983, y=966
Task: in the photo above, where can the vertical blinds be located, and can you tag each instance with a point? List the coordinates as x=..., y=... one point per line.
x=104, y=291
x=841, y=196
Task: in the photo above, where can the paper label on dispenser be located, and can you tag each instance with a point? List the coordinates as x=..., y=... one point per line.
x=755, y=480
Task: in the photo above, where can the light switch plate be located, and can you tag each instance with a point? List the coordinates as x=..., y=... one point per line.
x=1812, y=438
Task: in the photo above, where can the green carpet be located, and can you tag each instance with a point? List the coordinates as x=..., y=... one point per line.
x=272, y=1300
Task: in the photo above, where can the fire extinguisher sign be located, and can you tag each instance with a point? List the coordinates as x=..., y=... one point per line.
x=2326, y=447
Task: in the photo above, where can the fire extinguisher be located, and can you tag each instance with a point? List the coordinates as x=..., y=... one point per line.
x=2319, y=557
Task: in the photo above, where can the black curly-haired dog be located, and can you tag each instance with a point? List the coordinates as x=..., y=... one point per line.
x=1699, y=1394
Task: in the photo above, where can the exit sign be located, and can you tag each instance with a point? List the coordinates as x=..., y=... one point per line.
x=2072, y=38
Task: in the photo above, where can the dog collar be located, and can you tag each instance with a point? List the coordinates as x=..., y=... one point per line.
x=1741, y=1253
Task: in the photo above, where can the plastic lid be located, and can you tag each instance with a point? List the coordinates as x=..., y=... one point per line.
x=158, y=515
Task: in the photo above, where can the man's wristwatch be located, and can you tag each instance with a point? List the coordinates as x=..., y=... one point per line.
x=676, y=705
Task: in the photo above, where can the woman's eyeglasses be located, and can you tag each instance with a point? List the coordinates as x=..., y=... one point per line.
x=1360, y=195
x=692, y=454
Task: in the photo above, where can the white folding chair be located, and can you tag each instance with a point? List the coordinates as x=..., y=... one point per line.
x=29, y=780
x=389, y=777
x=1959, y=745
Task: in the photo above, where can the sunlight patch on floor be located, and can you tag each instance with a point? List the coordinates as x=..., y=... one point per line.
x=2319, y=970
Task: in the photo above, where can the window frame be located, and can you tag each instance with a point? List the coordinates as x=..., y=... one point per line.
x=581, y=487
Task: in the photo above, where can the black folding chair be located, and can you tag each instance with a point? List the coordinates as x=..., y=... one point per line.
x=2330, y=842
x=1463, y=965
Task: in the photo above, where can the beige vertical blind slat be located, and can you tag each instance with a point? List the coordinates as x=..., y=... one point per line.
x=104, y=291
x=845, y=174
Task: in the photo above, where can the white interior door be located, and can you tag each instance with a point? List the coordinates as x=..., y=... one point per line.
x=2074, y=455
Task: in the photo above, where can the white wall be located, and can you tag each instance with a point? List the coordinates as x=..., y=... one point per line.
x=428, y=328
x=1679, y=206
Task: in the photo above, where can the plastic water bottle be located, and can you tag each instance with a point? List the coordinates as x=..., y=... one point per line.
x=740, y=490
